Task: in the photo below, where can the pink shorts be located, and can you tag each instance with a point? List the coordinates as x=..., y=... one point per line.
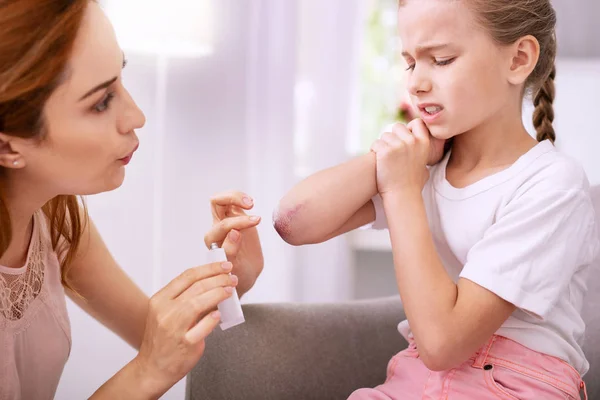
x=501, y=369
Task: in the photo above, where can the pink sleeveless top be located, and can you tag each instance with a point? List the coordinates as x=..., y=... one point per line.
x=35, y=333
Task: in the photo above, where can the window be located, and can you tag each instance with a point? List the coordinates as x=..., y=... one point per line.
x=382, y=71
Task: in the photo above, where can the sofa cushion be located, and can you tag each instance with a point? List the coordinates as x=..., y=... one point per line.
x=591, y=316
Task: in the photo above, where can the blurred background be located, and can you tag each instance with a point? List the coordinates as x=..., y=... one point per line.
x=255, y=95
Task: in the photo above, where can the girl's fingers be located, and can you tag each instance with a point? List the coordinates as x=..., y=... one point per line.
x=419, y=129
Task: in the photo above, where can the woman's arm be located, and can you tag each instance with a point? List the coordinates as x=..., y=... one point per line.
x=180, y=317
x=130, y=383
x=328, y=203
x=105, y=291
x=169, y=329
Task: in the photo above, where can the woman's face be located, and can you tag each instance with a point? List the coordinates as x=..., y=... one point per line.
x=89, y=120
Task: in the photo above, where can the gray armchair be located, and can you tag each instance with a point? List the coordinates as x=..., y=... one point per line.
x=299, y=351
x=323, y=351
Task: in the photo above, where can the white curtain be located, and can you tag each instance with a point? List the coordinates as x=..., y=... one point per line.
x=228, y=125
x=329, y=40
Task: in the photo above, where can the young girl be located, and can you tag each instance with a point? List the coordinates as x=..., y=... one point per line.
x=493, y=242
x=67, y=128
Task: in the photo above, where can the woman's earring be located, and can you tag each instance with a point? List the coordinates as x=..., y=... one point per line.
x=16, y=162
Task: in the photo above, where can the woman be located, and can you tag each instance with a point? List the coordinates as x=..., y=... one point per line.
x=67, y=128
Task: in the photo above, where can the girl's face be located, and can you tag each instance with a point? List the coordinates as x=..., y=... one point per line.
x=457, y=74
x=89, y=120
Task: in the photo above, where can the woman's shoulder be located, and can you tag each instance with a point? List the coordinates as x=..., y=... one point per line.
x=57, y=246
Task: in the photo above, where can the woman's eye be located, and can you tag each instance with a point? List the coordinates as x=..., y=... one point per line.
x=104, y=104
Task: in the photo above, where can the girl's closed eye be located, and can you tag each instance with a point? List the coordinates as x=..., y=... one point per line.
x=437, y=62
x=442, y=63
x=105, y=103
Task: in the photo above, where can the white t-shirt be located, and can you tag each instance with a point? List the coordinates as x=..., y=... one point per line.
x=528, y=234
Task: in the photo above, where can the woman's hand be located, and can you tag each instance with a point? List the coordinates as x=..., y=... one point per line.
x=236, y=233
x=402, y=157
x=180, y=317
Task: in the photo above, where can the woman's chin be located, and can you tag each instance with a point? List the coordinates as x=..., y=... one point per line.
x=114, y=183
x=106, y=185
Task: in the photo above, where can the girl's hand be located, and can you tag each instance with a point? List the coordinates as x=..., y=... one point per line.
x=402, y=157
x=180, y=317
x=236, y=232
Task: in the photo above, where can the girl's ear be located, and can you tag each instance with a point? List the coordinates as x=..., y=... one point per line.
x=524, y=54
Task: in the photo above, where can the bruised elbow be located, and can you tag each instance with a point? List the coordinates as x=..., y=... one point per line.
x=285, y=223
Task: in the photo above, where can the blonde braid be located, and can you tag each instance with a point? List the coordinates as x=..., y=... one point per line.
x=543, y=115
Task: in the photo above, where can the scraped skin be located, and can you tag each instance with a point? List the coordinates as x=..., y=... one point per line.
x=282, y=222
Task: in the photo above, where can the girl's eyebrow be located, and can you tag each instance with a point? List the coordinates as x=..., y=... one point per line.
x=427, y=49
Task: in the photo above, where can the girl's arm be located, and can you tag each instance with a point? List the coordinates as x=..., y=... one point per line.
x=526, y=259
x=328, y=203
x=449, y=321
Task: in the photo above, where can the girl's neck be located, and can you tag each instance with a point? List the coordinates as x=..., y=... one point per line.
x=496, y=143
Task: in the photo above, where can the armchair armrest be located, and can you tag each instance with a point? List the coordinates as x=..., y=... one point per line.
x=300, y=351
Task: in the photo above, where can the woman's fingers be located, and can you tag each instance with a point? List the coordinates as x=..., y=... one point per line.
x=195, y=308
x=232, y=244
x=232, y=198
x=220, y=230
x=206, y=285
x=203, y=328
x=177, y=323
x=222, y=202
x=191, y=276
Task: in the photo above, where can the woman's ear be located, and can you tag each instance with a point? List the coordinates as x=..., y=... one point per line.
x=524, y=54
x=9, y=158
